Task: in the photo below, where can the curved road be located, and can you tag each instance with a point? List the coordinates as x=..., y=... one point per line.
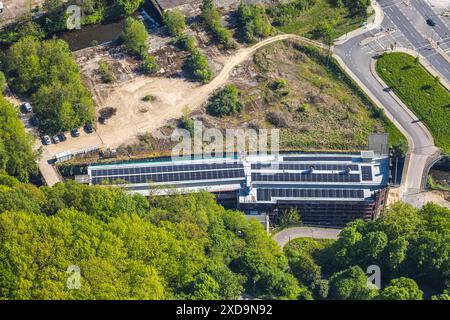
x=286, y=235
x=359, y=62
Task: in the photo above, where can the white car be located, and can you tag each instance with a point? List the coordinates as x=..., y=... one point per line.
x=1, y=7
x=46, y=139
x=27, y=107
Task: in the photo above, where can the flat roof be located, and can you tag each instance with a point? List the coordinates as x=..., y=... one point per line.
x=256, y=178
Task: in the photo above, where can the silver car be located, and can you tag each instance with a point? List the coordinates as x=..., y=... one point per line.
x=46, y=140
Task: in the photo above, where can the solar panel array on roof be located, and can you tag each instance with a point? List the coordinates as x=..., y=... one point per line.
x=304, y=177
x=318, y=158
x=366, y=173
x=172, y=176
x=96, y=172
x=304, y=166
x=266, y=194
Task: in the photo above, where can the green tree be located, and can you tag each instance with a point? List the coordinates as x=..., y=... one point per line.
x=134, y=37
x=289, y=217
x=3, y=83
x=225, y=102
x=126, y=7
x=401, y=289
x=16, y=146
x=350, y=284
x=253, y=22
x=174, y=21
x=198, y=67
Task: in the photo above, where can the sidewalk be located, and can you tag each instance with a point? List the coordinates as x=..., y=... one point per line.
x=378, y=18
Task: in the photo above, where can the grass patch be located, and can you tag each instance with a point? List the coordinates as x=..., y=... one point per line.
x=323, y=11
x=420, y=91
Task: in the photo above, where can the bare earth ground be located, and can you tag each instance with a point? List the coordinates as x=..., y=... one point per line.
x=14, y=9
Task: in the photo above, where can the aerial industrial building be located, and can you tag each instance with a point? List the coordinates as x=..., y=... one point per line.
x=326, y=189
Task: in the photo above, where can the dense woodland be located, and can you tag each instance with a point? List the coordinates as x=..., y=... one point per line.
x=187, y=246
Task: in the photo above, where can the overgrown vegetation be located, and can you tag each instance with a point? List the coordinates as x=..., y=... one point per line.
x=47, y=71
x=303, y=92
x=420, y=91
x=225, y=102
x=134, y=38
x=319, y=19
x=106, y=73
x=174, y=21
x=211, y=18
x=409, y=245
x=253, y=22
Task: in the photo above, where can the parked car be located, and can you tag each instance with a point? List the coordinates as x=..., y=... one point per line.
x=1, y=7
x=34, y=121
x=75, y=133
x=88, y=128
x=62, y=137
x=431, y=22
x=27, y=107
x=46, y=140
x=56, y=139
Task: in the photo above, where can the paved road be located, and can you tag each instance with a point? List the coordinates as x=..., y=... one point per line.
x=414, y=33
x=286, y=235
x=359, y=59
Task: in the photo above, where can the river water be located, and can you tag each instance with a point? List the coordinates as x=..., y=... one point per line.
x=92, y=35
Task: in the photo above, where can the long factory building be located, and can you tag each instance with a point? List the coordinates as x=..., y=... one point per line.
x=326, y=189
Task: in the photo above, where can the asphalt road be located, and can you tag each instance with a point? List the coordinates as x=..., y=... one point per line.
x=286, y=235
x=410, y=21
x=358, y=60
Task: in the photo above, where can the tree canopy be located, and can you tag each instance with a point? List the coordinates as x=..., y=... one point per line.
x=17, y=157
x=48, y=71
x=127, y=247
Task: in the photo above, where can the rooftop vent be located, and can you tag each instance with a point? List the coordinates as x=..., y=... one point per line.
x=367, y=156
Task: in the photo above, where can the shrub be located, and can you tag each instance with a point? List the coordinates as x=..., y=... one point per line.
x=253, y=22
x=134, y=37
x=211, y=17
x=289, y=217
x=198, y=67
x=106, y=73
x=277, y=119
x=186, y=42
x=149, y=65
x=174, y=21
x=225, y=102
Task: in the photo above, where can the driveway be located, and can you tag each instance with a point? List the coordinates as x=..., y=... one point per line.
x=286, y=235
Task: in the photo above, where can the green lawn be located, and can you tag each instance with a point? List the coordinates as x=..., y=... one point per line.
x=323, y=11
x=421, y=92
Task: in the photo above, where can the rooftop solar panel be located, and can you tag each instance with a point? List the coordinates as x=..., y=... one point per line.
x=266, y=194
x=304, y=177
x=166, y=168
x=303, y=166
x=173, y=176
x=318, y=158
x=366, y=173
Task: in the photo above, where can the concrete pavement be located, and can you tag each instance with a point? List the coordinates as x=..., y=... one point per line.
x=286, y=235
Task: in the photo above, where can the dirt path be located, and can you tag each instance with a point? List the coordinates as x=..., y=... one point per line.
x=172, y=96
